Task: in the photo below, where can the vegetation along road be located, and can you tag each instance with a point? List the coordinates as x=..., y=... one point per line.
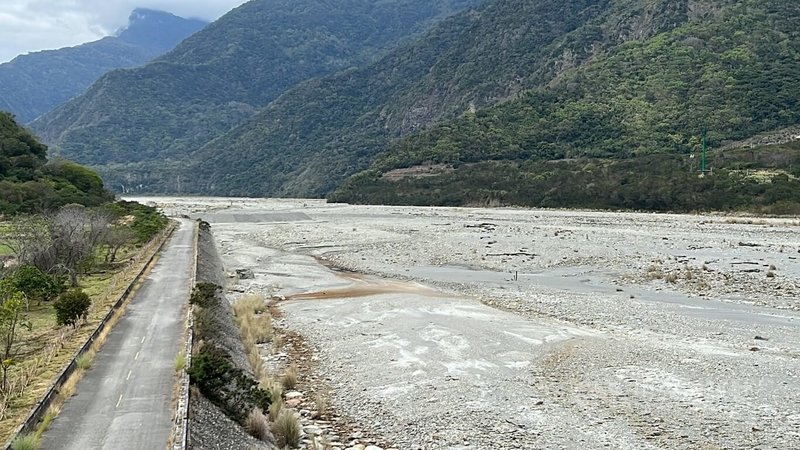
x=124, y=400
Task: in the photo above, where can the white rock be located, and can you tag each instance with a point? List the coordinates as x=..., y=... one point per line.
x=312, y=429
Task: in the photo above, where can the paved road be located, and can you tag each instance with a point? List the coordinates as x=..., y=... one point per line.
x=125, y=400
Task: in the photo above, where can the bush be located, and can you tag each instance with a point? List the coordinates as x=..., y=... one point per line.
x=35, y=284
x=225, y=385
x=204, y=295
x=71, y=306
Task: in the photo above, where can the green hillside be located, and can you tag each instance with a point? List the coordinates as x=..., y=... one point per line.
x=731, y=69
x=34, y=84
x=29, y=183
x=762, y=180
x=309, y=140
x=648, y=72
x=222, y=75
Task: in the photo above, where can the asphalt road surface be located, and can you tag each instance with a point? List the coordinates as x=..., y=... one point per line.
x=125, y=400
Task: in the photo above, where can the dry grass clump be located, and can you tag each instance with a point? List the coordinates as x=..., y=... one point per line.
x=275, y=389
x=255, y=325
x=655, y=272
x=289, y=378
x=84, y=361
x=321, y=402
x=275, y=409
x=277, y=343
x=257, y=425
x=745, y=221
x=180, y=362
x=255, y=360
x=254, y=319
x=26, y=442
x=287, y=429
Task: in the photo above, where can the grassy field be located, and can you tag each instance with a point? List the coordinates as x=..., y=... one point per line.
x=46, y=349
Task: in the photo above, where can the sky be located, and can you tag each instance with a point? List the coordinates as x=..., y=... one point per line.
x=33, y=25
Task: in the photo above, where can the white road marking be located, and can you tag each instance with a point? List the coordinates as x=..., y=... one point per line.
x=137, y=356
x=119, y=401
x=143, y=338
x=129, y=375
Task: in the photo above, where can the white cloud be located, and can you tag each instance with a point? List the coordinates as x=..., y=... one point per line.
x=32, y=25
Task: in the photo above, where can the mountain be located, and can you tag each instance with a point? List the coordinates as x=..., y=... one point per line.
x=29, y=183
x=515, y=84
x=157, y=115
x=618, y=132
x=309, y=140
x=34, y=84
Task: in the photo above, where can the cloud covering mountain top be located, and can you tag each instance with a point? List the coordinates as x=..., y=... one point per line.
x=33, y=25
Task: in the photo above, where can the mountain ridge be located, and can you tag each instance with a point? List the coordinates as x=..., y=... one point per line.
x=222, y=75
x=35, y=83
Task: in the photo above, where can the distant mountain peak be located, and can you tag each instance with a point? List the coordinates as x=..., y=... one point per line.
x=33, y=84
x=147, y=27
x=142, y=14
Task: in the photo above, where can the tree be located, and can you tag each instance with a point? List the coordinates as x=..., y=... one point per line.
x=117, y=237
x=71, y=306
x=12, y=316
x=29, y=238
x=76, y=233
x=35, y=284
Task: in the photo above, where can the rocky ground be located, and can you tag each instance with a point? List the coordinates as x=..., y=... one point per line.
x=548, y=329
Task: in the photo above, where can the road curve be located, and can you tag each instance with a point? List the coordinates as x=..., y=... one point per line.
x=125, y=400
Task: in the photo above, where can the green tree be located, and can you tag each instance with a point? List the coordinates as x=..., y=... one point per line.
x=71, y=306
x=35, y=284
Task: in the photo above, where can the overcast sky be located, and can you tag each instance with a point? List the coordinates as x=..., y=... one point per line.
x=32, y=25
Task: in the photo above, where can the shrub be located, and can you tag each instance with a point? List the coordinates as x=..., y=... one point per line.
x=287, y=429
x=35, y=284
x=71, y=306
x=205, y=295
x=225, y=385
x=204, y=324
x=257, y=425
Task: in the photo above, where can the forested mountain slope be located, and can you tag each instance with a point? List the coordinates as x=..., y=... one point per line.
x=223, y=74
x=29, y=183
x=635, y=57
x=33, y=84
x=731, y=69
x=307, y=141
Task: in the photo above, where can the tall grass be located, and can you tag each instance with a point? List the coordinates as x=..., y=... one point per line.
x=26, y=442
x=257, y=425
x=289, y=378
x=254, y=319
x=287, y=429
x=255, y=326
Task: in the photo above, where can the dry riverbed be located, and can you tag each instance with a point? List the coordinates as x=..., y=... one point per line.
x=467, y=328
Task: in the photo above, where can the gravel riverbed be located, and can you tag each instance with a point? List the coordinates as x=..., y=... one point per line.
x=470, y=328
